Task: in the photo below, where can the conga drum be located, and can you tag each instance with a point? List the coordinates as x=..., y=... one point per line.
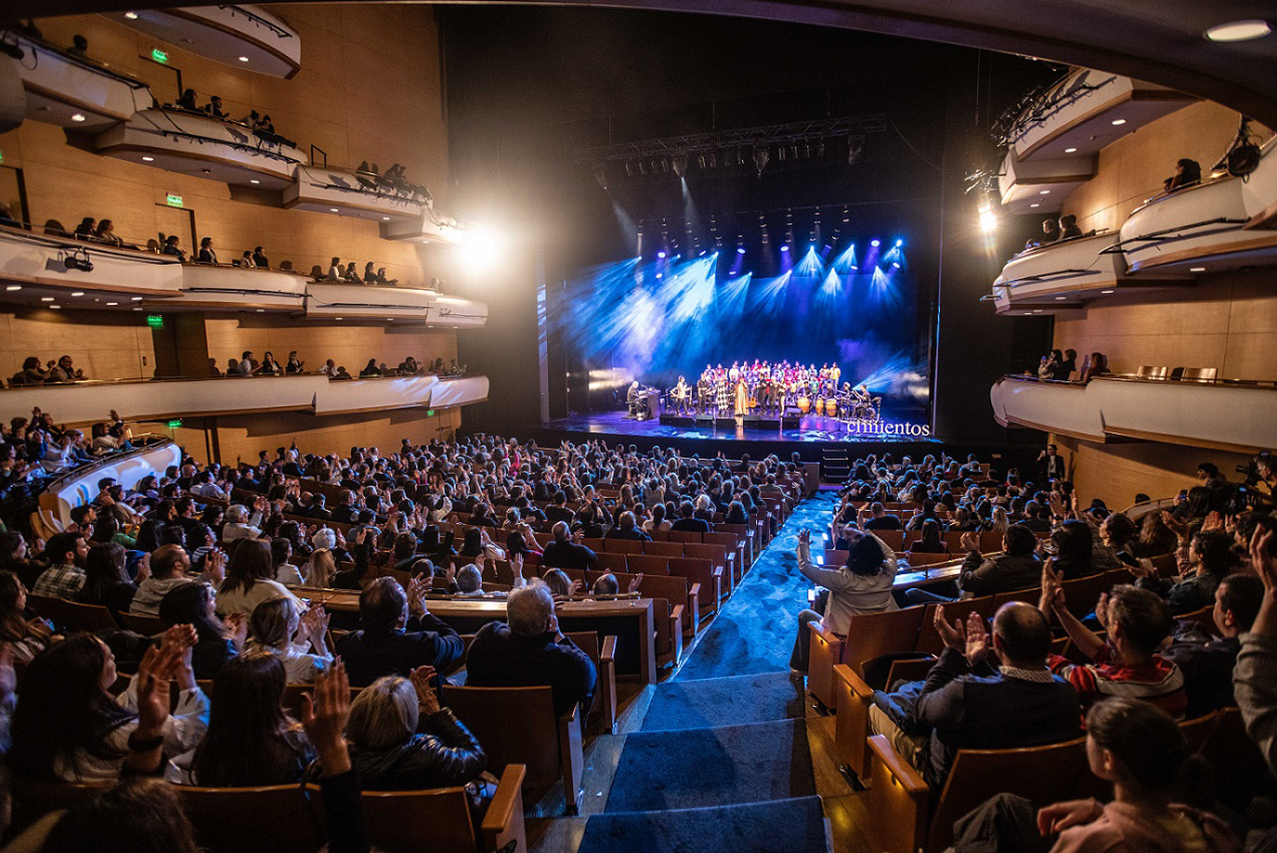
x=804, y=404
x=819, y=408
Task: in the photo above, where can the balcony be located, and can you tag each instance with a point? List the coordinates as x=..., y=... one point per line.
x=162, y=399
x=1087, y=111
x=1202, y=228
x=1063, y=275
x=81, y=485
x=203, y=147
x=347, y=193
x=1223, y=415
x=74, y=92
x=34, y=269
x=246, y=37
x=432, y=227
x=239, y=289
x=393, y=304
x=1040, y=185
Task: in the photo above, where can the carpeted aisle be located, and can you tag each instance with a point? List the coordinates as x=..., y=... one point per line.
x=722, y=759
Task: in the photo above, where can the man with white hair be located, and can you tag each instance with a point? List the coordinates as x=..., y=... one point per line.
x=531, y=651
x=238, y=525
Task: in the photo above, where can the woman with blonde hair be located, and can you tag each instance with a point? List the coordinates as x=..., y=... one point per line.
x=320, y=569
x=298, y=639
x=401, y=739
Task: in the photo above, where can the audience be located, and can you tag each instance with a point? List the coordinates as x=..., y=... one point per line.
x=398, y=635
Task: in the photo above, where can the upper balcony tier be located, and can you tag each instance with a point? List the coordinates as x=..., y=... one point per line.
x=1087, y=111
x=1204, y=228
x=1234, y=416
x=73, y=91
x=161, y=399
x=324, y=189
x=1040, y=185
x=34, y=271
x=202, y=146
x=247, y=37
x=1063, y=275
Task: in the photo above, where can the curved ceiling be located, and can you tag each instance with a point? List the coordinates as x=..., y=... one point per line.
x=1160, y=42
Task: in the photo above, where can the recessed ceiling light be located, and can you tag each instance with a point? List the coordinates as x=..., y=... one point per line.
x=385, y=219
x=1106, y=291
x=1044, y=192
x=1061, y=298
x=1238, y=31
x=261, y=310
x=1037, y=310
x=334, y=210
x=339, y=318
x=112, y=304
x=1069, y=150
x=148, y=159
x=78, y=293
x=137, y=309
x=46, y=298
x=254, y=181
x=13, y=287
x=1028, y=313
x=132, y=16
x=135, y=298
x=1118, y=122
x=1197, y=269
x=391, y=319
x=56, y=307
x=1035, y=204
x=77, y=117
x=243, y=59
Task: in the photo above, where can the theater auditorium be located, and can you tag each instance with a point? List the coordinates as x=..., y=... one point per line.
x=641, y=427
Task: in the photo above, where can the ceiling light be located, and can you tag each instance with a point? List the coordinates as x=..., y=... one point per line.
x=1118, y=122
x=1035, y=204
x=385, y=219
x=13, y=287
x=46, y=298
x=334, y=210
x=132, y=16
x=112, y=304
x=1061, y=298
x=261, y=310
x=148, y=159
x=77, y=117
x=1037, y=310
x=338, y=318
x=1238, y=31
x=1044, y=192
x=1106, y=291
x=56, y=307
x=254, y=181
x=243, y=59
x=78, y=293
x=137, y=309
x=1070, y=150
x=1028, y=313
x=391, y=319
x=135, y=298
x=1197, y=269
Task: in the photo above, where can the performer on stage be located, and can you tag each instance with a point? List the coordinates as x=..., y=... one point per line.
x=681, y=396
x=742, y=396
x=632, y=398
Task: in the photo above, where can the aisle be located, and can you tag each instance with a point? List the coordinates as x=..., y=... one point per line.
x=722, y=759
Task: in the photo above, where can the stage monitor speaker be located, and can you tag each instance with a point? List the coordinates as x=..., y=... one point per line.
x=768, y=423
x=791, y=422
x=676, y=420
x=702, y=419
x=725, y=423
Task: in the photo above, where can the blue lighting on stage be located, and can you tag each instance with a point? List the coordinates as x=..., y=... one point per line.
x=874, y=243
x=740, y=250
x=784, y=248
x=660, y=255
x=846, y=262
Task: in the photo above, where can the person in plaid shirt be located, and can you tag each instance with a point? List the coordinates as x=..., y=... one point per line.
x=65, y=575
x=1126, y=663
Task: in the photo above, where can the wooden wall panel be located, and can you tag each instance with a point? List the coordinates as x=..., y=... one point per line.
x=107, y=345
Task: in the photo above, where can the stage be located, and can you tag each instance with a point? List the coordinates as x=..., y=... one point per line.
x=809, y=438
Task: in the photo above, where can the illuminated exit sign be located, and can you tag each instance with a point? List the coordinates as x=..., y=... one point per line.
x=173, y=199
x=159, y=55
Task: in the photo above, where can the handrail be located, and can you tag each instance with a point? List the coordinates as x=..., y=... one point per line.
x=82, y=61
x=76, y=244
x=279, y=31
x=239, y=146
x=1131, y=377
x=1160, y=236
x=103, y=383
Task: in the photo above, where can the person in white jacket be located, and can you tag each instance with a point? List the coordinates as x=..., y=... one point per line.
x=863, y=585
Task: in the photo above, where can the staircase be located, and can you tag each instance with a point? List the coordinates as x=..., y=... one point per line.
x=835, y=465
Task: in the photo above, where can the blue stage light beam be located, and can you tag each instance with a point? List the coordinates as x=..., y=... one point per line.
x=810, y=266
x=845, y=263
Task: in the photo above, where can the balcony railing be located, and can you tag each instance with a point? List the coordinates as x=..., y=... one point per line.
x=267, y=43
x=1234, y=415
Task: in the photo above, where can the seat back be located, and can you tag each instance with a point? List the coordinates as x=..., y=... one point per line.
x=872, y=635
x=269, y=819
x=435, y=821
x=75, y=616
x=648, y=564
x=1041, y=774
x=610, y=562
x=1198, y=374
x=147, y=626
x=916, y=559
x=1150, y=372
x=516, y=725
x=1196, y=731
x=895, y=539
x=1238, y=765
x=624, y=546
x=34, y=800
x=664, y=549
x=684, y=536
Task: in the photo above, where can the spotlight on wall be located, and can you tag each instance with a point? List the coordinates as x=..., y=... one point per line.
x=988, y=219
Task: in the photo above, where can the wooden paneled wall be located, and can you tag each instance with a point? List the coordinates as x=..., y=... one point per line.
x=1116, y=473
x=106, y=345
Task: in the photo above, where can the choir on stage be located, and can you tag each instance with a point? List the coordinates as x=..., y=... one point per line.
x=763, y=388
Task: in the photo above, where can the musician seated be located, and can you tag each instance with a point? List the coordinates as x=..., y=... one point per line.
x=632, y=398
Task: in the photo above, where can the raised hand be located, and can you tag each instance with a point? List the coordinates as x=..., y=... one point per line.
x=970, y=541
x=1261, y=559
x=1179, y=528
x=236, y=625
x=634, y=583
x=978, y=643
x=953, y=636
x=1213, y=521
x=143, y=568
x=422, y=679
x=324, y=713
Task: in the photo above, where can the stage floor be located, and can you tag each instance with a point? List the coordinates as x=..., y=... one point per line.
x=812, y=429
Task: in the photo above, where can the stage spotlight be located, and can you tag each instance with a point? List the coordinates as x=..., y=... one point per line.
x=899, y=243
x=660, y=255
x=74, y=262
x=600, y=175
x=679, y=162
x=784, y=248
x=660, y=275
x=874, y=243
x=895, y=265
x=988, y=219
x=740, y=250
x=855, y=147
x=481, y=248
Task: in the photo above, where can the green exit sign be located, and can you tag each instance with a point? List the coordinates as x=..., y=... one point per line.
x=174, y=424
x=430, y=413
x=159, y=55
x=155, y=321
x=173, y=199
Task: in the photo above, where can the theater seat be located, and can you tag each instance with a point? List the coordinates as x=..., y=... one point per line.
x=271, y=819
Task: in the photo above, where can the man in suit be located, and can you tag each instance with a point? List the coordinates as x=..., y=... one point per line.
x=531, y=651
x=688, y=521
x=563, y=553
x=558, y=511
x=398, y=635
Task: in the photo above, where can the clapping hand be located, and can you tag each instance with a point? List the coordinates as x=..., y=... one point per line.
x=1179, y=528
x=417, y=596
x=1213, y=521
x=324, y=713
x=1261, y=560
x=978, y=642
x=516, y=565
x=1052, y=589
x=422, y=679
x=970, y=541
x=953, y=636
x=634, y=583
